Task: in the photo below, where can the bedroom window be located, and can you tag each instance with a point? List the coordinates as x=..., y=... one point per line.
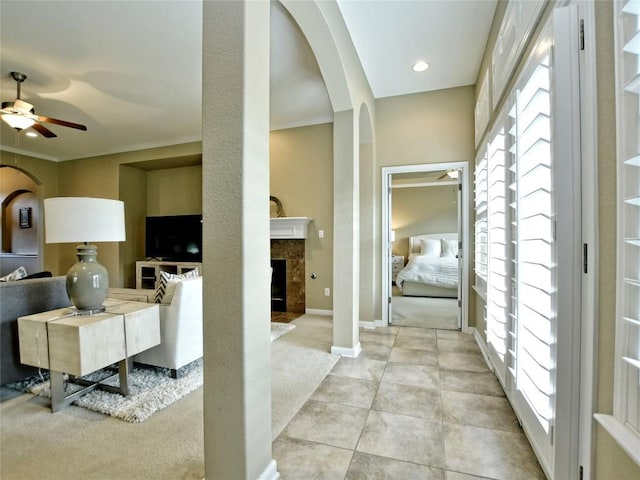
x=624, y=425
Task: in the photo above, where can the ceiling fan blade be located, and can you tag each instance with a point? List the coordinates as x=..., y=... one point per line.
x=42, y=130
x=55, y=121
x=444, y=175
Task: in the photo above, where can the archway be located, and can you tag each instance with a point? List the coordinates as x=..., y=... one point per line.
x=323, y=26
x=20, y=221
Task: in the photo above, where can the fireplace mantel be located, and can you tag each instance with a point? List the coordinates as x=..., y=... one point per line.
x=284, y=228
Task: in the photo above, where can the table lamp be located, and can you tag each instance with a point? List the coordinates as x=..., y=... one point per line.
x=82, y=219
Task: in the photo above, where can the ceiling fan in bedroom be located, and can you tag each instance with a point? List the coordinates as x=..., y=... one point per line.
x=452, y=174
x=21, y=115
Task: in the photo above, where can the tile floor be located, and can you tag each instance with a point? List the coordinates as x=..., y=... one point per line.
x=417, y=404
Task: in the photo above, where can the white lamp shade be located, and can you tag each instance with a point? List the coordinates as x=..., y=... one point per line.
x=83, y=219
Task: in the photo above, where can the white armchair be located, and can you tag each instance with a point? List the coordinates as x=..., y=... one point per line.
x=180, y=329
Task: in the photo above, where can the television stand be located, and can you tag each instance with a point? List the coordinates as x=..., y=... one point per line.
x=148, y=271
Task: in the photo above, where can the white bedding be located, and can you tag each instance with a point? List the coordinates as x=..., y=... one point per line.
x=437, y=271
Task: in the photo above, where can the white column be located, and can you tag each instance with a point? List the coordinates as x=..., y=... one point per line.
x=346, y=241
x=368, y=254
x=235, y=175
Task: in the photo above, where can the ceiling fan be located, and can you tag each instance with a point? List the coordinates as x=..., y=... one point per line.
x=452, y=174
x=20, y=114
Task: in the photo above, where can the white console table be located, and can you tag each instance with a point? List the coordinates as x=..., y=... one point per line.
x=148, y=272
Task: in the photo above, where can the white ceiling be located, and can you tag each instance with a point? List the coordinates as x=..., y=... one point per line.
x=130, y=70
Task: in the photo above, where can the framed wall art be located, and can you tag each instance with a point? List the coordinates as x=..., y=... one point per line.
x=25, y=217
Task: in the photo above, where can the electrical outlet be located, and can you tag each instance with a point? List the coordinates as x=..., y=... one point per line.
x=327, y=292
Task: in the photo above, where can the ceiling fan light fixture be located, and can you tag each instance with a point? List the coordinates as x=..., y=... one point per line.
x=420, y=66
x=452, y=174
x=17, y=121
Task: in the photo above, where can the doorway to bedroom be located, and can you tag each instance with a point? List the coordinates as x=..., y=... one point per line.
x=426, y=245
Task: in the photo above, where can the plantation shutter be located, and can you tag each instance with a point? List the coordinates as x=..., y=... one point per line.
x=496, y=315
x=538, y=122
x=481, y=227
x=532, y=213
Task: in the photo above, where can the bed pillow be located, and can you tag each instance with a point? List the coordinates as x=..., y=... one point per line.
x=430, y=247
x=449, y=247
x=167, y=285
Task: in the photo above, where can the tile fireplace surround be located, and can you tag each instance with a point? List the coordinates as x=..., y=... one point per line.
x=293, y=252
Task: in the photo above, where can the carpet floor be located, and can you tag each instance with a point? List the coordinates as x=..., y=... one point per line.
x=151, y=388
x=425, y=312
x=77, y=443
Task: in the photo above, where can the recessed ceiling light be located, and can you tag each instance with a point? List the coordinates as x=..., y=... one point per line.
x=31, y=134
x=420, y=66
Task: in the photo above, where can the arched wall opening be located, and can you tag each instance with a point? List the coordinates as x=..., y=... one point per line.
x=323, y=26
x=21, y=222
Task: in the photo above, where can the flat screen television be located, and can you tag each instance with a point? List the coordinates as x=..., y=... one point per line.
x=174, y=238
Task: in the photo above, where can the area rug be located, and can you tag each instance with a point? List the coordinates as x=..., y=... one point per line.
x=151, y=388
x=278, y=329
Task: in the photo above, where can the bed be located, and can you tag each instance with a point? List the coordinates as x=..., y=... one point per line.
x=432, y=269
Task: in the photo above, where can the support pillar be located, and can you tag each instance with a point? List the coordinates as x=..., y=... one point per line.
x=346, y=241
x=235, y=175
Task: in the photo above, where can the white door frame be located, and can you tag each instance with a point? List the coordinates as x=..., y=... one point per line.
x=387, y=173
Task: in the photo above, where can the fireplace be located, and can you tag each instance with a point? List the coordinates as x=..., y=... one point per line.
x=279, y=285
x=287, y=260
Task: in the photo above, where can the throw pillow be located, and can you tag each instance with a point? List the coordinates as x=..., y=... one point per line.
x=17, y=274
x=167, y=285
x=430, y=247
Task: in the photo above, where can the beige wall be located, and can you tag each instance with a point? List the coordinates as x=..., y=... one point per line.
x=92, y=177
x=421, y=210
x=302, y=178
x=422, y=128
x=133, y=192
x=430, y=127
x=174, y=191
x=104, y=177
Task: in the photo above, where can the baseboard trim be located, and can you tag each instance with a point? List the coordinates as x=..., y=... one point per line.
x=347, y=352
x=380, y=323
x=271, y=472
x=368, y=325
x=482, y=345
x=317, y=311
